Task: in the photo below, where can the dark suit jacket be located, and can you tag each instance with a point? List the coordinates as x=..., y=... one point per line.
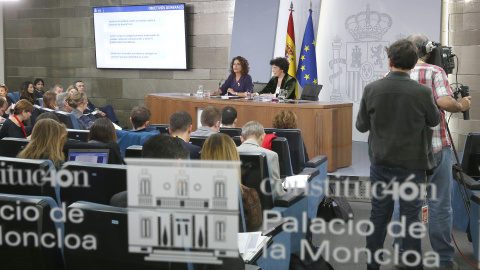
x=288, y=83
x=194, y=150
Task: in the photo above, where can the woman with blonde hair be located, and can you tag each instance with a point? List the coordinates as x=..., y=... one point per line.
x=15, y=125
x=48, y=138
x=79, y=102
x=220, y=146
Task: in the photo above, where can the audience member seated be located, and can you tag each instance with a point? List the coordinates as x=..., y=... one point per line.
x=38, y=85
x=140, y=118
x=71, y=89
x=57, y=88
x=252, y=137
x=158, y=146
x=3, y=94
x=102, y=131
x=210, y=120
x=104, y=111
x=14, y=126
x=50, y=100
x=3, y=108
x=79, y=102
x=27, y=92
x=221, y=147
x=285, y=119
x=62, y=104
x=229, y=117
x=46, y=142
x=181, y=128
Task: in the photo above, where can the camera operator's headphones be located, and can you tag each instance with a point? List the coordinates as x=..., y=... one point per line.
x=428, y=46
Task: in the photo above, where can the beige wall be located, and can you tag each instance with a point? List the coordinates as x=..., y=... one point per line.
x=53, y=40
x=462, y=30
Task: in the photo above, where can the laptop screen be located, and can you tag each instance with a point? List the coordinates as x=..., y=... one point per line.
x=88, y=155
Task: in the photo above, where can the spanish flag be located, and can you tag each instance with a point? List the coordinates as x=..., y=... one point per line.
x=290, y=53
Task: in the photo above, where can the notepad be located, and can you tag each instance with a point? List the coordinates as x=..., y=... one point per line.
x=250, y=245
x=296, y=181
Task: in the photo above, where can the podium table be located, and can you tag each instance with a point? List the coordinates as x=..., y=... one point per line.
x=326, y=126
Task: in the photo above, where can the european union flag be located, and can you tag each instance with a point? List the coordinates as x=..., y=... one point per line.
x=307, y=66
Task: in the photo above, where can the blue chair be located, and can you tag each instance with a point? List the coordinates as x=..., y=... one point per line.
x=16, y=96
x=126, y=138
x=12, y=96
x=68, y=119
x=26, y=255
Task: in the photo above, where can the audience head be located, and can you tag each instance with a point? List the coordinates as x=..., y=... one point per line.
x=140, y=117
x=71, y=89
x=26, y=91
x=402, y=54
x=22, y=108
x=281, y=63
x=164, y=146
x=57, y=88
x=102, y=130
x=79, y=86
x=77, y=101
x=180, y=122
x=211, y=117
x=3, y=106
x=46, y=142
x=285, y=119
x=49, y=100
x=419, y=40
x=62, y=104
x=229, y=117
x=243, y=64
x=219, y=146
x=253, y=130
x=47, y=115
x=38, y=84
x=3, y=91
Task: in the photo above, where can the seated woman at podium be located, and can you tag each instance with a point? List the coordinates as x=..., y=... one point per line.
x=280, y=80
x=238, y=82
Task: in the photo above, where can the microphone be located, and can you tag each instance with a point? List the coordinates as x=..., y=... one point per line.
x=220, y=83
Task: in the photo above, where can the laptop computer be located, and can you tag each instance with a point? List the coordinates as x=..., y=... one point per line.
x=99, y=156
x=311, y=92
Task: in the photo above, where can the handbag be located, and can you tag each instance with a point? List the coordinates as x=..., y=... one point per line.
x=252, y=208
x=334, y=207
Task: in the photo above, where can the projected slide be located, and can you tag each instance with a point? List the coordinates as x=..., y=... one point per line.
x=140, y=37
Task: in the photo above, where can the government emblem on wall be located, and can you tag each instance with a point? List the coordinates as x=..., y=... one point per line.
x=365, y=57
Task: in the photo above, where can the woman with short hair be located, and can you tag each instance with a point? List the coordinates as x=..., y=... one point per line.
x=79, y=102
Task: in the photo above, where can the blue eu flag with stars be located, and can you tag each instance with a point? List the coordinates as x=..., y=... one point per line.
x=307, y=66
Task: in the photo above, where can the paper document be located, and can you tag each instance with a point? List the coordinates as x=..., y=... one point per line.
x=296, y=181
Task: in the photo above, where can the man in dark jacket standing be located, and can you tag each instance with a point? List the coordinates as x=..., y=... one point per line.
x=399, y=113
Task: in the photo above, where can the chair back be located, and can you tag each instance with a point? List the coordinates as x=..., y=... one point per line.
x=281, y=147
x=134, y=151
x=27, y=177
x=16, y=96
x=28, y=256
x=110, y=227
x=68, y=119
x=237, y=140
x=198, y=140
x=78, y=134
x=12, y=96
x=258, y=86
x=311, y=92
x=10, y=147
x=126, y=138
x=163, y=128
x=295, y=143
x=471, y=155
x=96, y=182
x=231, y=131
x=254, y=170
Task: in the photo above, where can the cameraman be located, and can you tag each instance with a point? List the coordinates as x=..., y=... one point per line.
x=440, y=210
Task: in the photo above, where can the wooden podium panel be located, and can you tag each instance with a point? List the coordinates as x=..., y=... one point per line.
x=326, y=126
